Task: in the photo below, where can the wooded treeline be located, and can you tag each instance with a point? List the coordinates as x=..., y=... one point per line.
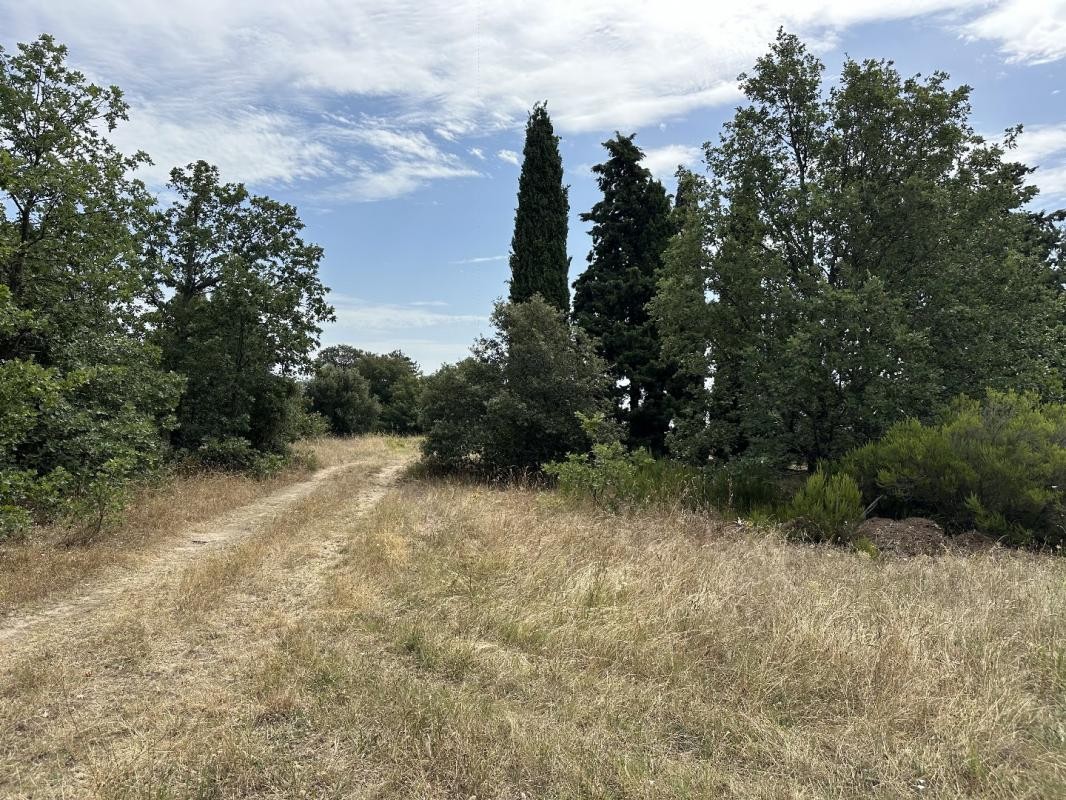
x=855, y=262
x=854, y=256
x=130, y=330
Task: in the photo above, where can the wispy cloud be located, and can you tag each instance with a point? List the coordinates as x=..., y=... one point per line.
x=1044, y=147
x=420, y=329
x=249, y=145
x=1028, y=31
x=391, y=161
x=510, y=156
x=479, y=260
x=205, y=76
x=382, y=317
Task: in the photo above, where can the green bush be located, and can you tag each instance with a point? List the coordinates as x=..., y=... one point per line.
x=615, y=478
x=235, y=454
x=997, y=465
x=827, y=508
x=512, y=406
x=393, y=381
x=610, y=476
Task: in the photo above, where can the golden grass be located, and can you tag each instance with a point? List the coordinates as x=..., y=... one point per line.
x=462, y=642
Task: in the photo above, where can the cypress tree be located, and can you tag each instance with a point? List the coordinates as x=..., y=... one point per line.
x=539, y=263
x=632, y=226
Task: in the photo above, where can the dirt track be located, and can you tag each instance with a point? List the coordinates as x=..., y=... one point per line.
x=86, y=671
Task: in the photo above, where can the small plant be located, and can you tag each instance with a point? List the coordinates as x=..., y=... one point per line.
x=609, y=475
x=827, y=508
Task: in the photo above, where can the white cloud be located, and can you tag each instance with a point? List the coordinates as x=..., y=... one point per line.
x=664, y=161
x=1037, y=142
x=1044, y=147
x=438, y=337
x=1052, y=183
x=398, y=162
x=477, y=152
x=479, y=260
x=1029, y=31
x=195, y=71
x=510, y=156
x=356, y=315
x=247, y=145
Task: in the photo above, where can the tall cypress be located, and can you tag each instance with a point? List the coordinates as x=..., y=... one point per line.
x=631, y=227
x=539, y=263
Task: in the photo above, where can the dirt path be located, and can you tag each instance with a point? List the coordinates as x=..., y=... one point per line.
x=22, y=630
x=98, y=691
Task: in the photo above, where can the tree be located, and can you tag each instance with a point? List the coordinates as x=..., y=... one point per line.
x=238, y=307
x=513, y=405
x=539, y=263
x=631, y=227
x=84, y=399
x=867, y=258
x=393, y=380
x=342, y=395
x=679, y=309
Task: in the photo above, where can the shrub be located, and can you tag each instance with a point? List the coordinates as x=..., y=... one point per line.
x=235, y=454
x=614, y=478
x=342, y=396
x=743, y=485
x=997, y=464
x=610, y=476
x=512, y=406
x=827, y=508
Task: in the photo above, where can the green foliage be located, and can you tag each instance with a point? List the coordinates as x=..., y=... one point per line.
x=512, y=405
x=455, y=414
x=238, y=308
x=744, y=485
x=539, y=264
x=998, y=465
x=679, y=311
x=616, y=479
x=238, y=455
x=631, y=227
x=83, y=401
x=827, y=508
x=393, y=381
x=342, y=396
x=609, y=475
x=860, y=255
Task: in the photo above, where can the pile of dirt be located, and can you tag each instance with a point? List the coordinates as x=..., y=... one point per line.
x=917, y=536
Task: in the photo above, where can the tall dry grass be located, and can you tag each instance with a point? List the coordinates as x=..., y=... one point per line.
x=497, y=644
x=457, y=641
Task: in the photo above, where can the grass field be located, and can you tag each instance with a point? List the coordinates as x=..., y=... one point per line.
x=390, y=637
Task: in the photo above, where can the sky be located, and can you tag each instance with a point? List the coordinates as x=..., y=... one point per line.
x=396, y=127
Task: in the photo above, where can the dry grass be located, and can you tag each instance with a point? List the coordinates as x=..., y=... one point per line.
x=44, y=564
x=459, y=642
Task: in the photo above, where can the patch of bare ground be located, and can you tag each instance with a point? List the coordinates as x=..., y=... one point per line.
x=441, y=640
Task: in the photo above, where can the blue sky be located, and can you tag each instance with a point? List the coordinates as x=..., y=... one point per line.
x=396, y=127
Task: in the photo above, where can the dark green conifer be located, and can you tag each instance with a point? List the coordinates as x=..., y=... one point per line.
x=539, y=263
x=631, y=227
